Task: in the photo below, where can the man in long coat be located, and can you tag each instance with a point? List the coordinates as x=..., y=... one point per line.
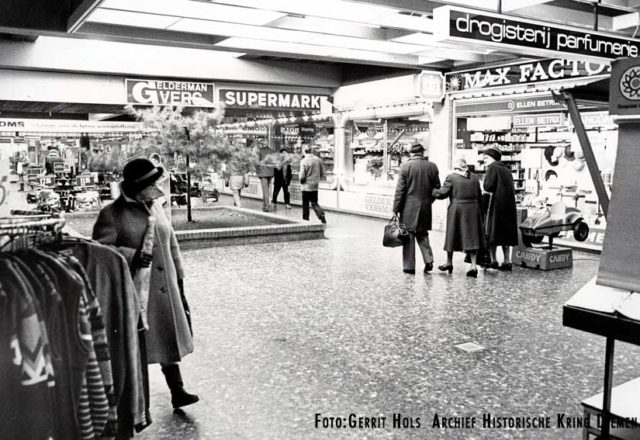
x=502, y=219
x=418, y=178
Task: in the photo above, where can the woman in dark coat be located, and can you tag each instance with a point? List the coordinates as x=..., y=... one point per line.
x=502, y=219
x=464, y=218
x=123, y=224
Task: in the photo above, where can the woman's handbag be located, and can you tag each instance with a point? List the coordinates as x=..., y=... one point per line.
x=395, y=233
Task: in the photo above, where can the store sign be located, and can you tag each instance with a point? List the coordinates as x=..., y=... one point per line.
x=163, y=92
x=529, y=37
x=431, y=85
x=624, y=88
x=302, y=130
x=546, y=119
x=523, y=73
x=516, y=105
x=67, y=126
x=233, y=98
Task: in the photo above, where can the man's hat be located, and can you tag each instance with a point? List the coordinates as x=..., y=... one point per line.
x=416, y=148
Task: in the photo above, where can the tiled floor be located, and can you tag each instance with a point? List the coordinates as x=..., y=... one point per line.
x=288, y=330
x=285, y=331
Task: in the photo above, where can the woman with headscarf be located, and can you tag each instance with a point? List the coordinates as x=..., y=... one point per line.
x=123, y=224
x=464, y=218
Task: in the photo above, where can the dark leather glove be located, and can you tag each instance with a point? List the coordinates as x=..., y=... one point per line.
x=142, y=259
x=303, y=180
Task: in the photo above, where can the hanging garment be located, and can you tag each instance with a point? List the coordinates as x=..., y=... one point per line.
x=26, y=372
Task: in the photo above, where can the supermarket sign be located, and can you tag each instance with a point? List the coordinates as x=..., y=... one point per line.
x=528, y=37
x=523, y=73
x=255, y=99
x=165, y=92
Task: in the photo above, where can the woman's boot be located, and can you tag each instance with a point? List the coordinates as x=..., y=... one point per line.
x=179, y=397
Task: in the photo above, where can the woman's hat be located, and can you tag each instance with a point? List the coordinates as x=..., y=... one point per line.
x=493, y=152
x=416, y=148
x=140, y=173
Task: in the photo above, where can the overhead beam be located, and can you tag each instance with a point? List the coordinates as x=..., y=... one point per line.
x=78, y=16
x=127, y=34
x=556, y=14
x=35, y=15
x=625, y=21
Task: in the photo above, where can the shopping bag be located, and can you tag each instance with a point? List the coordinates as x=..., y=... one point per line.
x=395, y=233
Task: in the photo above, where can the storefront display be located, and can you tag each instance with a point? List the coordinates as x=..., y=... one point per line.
x=544, y=155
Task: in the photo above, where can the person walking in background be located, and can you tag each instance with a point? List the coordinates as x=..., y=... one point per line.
x=502, y=218
x=311, y=172
x=464, y=216
x=282, y=179
x=237, y=182
x=266, y=170
x=412, y=204
x=123, y=224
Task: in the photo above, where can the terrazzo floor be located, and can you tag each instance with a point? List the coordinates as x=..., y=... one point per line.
x=285, y=331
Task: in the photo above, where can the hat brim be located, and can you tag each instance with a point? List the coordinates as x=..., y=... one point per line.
x=142, y=184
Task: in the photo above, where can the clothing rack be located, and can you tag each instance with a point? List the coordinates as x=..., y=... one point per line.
x=27, y=227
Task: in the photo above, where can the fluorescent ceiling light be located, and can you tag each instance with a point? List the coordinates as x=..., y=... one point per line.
x=135, y=19
x=402, y=21
x=417, y=38
x=364, y=44
x=338, y=9
x=452, y=54
x=274, y=46
x=324, y=51
x=361, y=55
x=239, y=30
x=428, y=40
x=510, y=5
x=329, y=26
x=196, y=9
x=429, y=60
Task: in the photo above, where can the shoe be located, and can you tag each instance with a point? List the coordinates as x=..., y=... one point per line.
x=265, y=209
x=506, y=267
x=179, y=397
x=446, y=268
x=493, y=265
x=288, y=206
x=428, y=267
x=323, y=220
x=410, y=271
x=472, y=273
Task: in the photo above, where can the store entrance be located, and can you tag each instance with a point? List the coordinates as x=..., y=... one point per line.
x=546, y=159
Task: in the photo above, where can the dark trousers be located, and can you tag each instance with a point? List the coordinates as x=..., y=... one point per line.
x=409, y=250
x=311, y=197
x=266, y=190
x=277, y=184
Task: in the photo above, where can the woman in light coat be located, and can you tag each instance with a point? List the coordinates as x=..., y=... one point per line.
x=123, y=224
